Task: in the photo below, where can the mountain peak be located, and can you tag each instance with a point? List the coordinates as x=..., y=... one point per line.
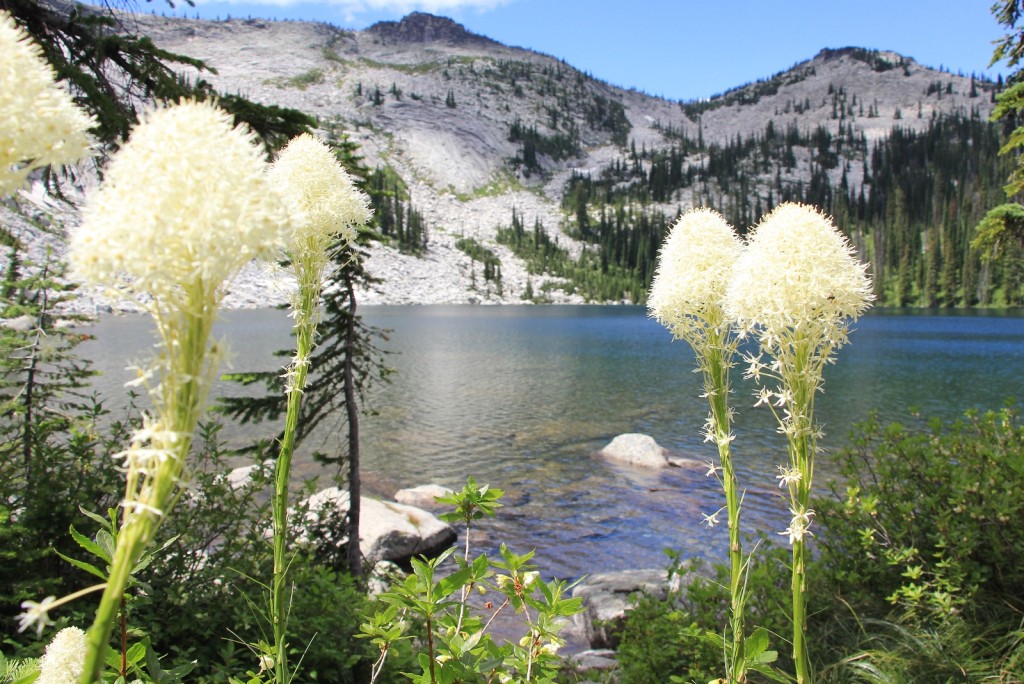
x=878, y=60
x=421, y=27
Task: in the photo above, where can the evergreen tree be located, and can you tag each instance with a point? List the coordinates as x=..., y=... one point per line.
x=52, y=456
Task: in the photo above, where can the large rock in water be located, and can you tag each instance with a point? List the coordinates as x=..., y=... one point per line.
x=636, y=449
x=388, y=531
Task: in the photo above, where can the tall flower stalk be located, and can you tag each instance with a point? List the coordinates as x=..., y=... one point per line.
x=797, y=288
x=185, y=203
x=687, y=296
x=327, y=211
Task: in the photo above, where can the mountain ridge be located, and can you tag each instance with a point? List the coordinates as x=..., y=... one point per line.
x=476, y=129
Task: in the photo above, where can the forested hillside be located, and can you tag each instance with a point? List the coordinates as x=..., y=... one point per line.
x=507, y=175
x=911, y=206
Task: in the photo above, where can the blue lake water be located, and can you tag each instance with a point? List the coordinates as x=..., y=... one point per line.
x=522, y=398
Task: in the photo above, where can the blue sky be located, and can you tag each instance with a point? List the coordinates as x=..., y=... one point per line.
x=680, y=49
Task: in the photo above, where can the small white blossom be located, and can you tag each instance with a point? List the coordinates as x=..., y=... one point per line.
x=798, y=526
x=788, y=476
x=710, y=521
x=37, y=614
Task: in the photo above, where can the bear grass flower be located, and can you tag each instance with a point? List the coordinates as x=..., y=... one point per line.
x=64, y=658
x=318, y=188
x=326, y=209
x=798, y=270
x=40, y=125
x=695, y=267
x=797, y=288
x=185, y=203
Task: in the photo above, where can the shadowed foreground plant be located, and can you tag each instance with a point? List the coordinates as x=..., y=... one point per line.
x=184, y=205
x=695, y=267
x=327, y=211
x=796, y=288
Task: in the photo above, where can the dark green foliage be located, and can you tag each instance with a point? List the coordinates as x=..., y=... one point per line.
x=591, y=275
x=214, y=573
x=53, y=456
x=393, y=213
x=919, y=574
x=921, y=567
x=747, y=94
x=557, y=146
x=912, y=219
x=941, y=498
x=487, y=258
x=274, y=125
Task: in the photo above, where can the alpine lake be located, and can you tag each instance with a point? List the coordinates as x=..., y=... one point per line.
x=523, y=397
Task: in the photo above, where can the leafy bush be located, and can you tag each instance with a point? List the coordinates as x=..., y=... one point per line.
x=928, y=522
x=921, y=553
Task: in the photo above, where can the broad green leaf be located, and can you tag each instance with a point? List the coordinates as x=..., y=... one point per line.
x=91, y=546
x=82, y=565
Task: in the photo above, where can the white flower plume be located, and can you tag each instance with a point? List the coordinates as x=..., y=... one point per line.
x=695, y=266
x=40, y=125
x=64, y=658
x=185, y=201
x=324, y=201
x=797, y=268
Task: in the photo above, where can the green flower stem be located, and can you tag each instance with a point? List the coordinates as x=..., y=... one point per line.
x=151, y=496
x=716, y=382
x=803, y=380
x=305, y=332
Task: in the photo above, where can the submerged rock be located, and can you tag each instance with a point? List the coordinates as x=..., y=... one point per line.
x=423, y=496
x=606, y=597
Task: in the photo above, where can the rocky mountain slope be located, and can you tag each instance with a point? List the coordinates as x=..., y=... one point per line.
x=476, y=128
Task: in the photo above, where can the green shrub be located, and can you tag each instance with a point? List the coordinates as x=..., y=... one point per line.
x=921, y=566
x=927, y=522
